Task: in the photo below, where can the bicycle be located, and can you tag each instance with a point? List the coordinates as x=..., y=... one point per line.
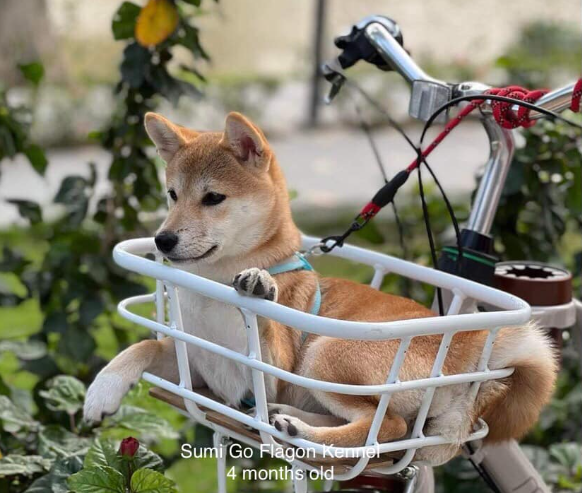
x=377, y=40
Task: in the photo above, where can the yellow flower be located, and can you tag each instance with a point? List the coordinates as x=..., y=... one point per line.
x=156, y=22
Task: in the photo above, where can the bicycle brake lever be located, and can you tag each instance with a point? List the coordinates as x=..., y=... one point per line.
x=332, y=73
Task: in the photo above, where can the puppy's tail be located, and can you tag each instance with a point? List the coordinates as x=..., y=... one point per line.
x=512, y=406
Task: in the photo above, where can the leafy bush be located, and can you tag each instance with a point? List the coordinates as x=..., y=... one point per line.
x=544, y=188
x=42, y=451
x=15, y=123
x=539, y=57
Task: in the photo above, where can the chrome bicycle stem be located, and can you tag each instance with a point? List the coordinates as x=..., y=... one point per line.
x=502, y=146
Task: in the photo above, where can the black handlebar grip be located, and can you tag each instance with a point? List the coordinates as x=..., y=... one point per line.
x=386, y=194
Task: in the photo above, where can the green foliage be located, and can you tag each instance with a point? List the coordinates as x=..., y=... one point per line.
x=542, y=50
x=40, y=455
x=65, y=393
x=542, y=200
x=32, y=72
x=104, y=469
x=15, y=121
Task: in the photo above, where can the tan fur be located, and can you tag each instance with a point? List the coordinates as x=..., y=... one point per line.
x=240, y=164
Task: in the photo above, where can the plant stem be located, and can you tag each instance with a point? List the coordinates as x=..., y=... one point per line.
x=72, y=423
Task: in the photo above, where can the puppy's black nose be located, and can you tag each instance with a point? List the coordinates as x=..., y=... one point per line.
x=165, y=241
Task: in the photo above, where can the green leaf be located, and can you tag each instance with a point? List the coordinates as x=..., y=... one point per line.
x=90, y=309
x=72, y=190
x=142, y=422
x=148, y=481
x=12, y=261
x=55, y=322
x=32, y=72
x=72, y=194
x=188, y=37
x=123, y=24
x=25, y=350
x=23, y=465
x=4, y=389
x=27, y=209
x=37, y=158
x=100, y=479
x=148, y=459
x=14, y=419
x=170, y=87
x=568, y=455
x=56, y=480
x=196, y=3
x=54, y=441
x=77, y=343
x=65, y=393
x=102, y=453
x=135, y=65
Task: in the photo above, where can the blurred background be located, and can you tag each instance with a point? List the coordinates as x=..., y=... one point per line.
x=78, y=174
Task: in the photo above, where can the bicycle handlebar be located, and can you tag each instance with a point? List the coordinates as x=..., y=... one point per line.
x=378, y=40
x=378, y=34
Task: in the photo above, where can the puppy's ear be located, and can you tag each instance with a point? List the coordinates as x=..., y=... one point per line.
x=167, y=136
x=246, y=142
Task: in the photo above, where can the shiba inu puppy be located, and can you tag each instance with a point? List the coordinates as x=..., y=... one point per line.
x=229, y=220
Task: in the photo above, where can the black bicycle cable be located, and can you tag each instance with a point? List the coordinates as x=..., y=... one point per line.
x=368, y=132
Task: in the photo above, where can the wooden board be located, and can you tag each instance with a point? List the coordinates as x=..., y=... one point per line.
x=340, y=465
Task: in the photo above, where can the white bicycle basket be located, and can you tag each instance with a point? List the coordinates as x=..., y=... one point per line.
x=256, y=430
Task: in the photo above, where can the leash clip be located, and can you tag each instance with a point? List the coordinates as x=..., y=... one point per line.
x=338, y=241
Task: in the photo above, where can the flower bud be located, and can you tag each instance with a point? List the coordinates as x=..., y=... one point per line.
x=128, y=447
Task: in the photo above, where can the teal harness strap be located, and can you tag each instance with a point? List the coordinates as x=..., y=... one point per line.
x=301, y=263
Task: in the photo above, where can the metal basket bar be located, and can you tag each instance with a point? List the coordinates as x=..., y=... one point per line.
x=385, y=398
x=429, y=392
x=379, y=273
x=518, y=312
x=319, y=448
x=254, y=342
x=160, y=299
x=181, y=348
x=310, y=382
x=483, y=362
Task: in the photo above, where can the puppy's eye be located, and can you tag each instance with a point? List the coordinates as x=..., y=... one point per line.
x=172, y=194
x=213, y=198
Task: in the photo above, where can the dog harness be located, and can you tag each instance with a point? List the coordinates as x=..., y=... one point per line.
x=298, y=262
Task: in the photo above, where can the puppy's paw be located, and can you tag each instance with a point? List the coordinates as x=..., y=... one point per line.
x=256, y=282
x=454, y=426
x=104, y=396
x=290, y=425
x=437, y=455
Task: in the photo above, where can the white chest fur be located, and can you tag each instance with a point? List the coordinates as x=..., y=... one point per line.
x=223, y=325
